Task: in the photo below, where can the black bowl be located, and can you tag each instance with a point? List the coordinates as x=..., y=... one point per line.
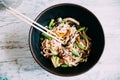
x=86, y=18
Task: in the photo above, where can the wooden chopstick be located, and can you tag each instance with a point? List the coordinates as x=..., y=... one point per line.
x=30, y=22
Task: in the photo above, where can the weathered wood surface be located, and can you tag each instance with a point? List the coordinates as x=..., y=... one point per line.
x=16, y=61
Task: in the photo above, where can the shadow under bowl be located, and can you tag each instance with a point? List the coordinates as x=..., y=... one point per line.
x=87, y=19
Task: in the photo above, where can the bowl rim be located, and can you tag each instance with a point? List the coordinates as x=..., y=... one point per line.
x=30, y=44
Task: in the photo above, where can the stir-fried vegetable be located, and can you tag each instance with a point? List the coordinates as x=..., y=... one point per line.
x=76, y=54
x=63, y=21
x=76, y=46
x=81, y=29
x=51, y=24
x=51, y=48
x=46, y=36
x=85, y=36
x=55, y=61
x=79, y=45
x=64, y=65
x=78, y=38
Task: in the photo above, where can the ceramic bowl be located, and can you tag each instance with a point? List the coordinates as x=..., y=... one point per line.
x=86, y=18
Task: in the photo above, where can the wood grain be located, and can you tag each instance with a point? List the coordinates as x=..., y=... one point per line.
x=16, y=62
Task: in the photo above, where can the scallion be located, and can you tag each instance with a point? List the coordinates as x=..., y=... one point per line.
x=76, y=54
x=79, y=46
x=50, y=27
x=64, y=65
x=46, y=36
x=80, y=29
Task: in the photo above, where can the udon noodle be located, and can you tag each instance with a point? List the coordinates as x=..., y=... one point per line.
x=76, y=44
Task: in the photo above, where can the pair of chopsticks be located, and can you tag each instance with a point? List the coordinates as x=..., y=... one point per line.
x=33, y=23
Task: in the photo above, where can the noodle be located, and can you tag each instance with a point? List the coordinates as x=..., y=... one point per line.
x=76, y=47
